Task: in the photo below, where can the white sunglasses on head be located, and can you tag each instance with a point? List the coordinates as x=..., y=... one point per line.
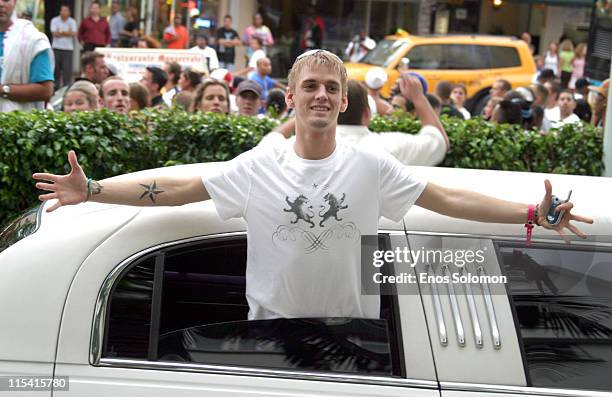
x=316, y=51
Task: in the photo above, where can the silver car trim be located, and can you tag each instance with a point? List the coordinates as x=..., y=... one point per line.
x=455, y=309
x=521, y=239
x=486, y=293
x=392, y=232
x=99, y=320
x=520, y=390
x=438, y=308
x=268, y=373
x=469, y=294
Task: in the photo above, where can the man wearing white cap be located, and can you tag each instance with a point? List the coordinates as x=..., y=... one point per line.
x=375, y=79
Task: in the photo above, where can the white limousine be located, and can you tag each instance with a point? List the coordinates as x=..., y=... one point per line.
x=129, y=301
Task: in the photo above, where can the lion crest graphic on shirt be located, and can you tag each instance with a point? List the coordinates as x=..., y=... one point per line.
x=334, y=207
x=302, y=208
x=297, y=207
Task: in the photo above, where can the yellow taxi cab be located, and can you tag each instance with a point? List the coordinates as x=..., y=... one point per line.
x=474, y=60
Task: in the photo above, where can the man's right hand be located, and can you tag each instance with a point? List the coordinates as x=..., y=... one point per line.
x=67, y=189
x=410, y=87
x=154, y=190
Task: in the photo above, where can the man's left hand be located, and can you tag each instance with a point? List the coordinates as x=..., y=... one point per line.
x=565, y=220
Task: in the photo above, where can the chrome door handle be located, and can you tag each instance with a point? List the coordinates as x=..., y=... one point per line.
x=438, y=309
x=473, y=313
x=486, y=293
x=455, y=309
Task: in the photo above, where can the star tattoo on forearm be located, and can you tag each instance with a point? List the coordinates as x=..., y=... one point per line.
x=150, y=191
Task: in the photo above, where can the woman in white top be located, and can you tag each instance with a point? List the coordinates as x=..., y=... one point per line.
x=256, y=44
x=551, y=58
x=458, y=96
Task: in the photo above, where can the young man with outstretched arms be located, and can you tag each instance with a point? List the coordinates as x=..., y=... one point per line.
x=307, y=203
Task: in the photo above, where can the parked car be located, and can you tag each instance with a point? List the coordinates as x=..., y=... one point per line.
x=134, y=301
x=474, y=60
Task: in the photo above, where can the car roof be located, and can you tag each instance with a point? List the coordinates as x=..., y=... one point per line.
x=70, y=236
x=588, y=196
x=457, y=39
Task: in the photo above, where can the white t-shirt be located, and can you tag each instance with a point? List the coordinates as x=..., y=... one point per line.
x=305, y=219
x=571, y=119
x=428, y=147
x=59, y=25
x=169, y=95
x=553, y=114
x=551, y=61
x=257, y=55
x=466, y=114
x=212, y=61
x=372, y=105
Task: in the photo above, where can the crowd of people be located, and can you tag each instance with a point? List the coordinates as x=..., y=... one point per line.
x=560, y=91
x=558, y=95
x=122, y=30
x=542, y=105
x=173, y=86
x=545, y=104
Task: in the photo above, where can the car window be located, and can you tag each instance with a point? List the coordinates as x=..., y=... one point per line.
x=20, y=227
x=187, y=303
x=464, y=57
x=562, y=300
x=504, y=57
x=129, y=317
x=385, y=52
x=344, y=345
x=448, y=57
x=426, y=57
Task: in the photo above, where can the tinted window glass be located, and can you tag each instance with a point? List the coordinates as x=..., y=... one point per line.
x=20, y=227
x=385, y=52
x=449, y=57
x=563, y=303
x=334, y=345
x=204, y=284
x=504, y=57
x=187, y=303
x=465, y=57
x=129, y=317
x=426, y=57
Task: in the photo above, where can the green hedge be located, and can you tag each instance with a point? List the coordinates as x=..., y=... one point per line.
x=574, y=149
x=108, y=144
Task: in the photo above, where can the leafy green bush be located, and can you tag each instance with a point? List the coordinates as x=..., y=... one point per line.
x=574, y=149
x=108, y=144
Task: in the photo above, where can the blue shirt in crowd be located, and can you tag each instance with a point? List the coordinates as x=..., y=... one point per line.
x=267, y=83
x=40, y=68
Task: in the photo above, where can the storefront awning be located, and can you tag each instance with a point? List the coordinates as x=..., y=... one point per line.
x=562, y=3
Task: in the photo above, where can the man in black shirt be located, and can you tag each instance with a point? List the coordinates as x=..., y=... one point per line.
x=227, y=39
x=154, y=79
